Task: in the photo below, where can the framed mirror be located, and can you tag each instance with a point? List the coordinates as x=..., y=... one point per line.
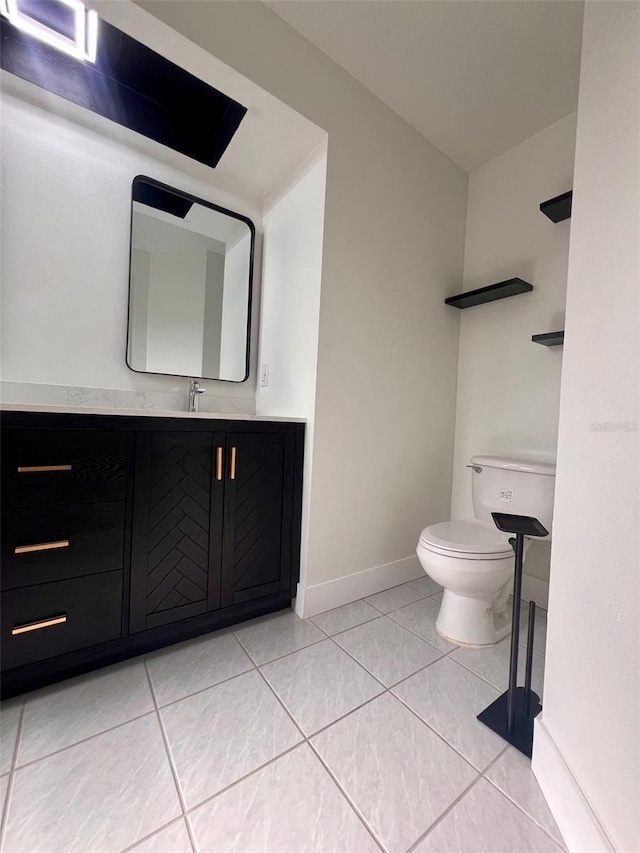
x=190, y=274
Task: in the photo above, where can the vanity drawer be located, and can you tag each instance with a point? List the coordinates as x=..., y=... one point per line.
x=41, y=467
x=46, y=544
x=43, y=621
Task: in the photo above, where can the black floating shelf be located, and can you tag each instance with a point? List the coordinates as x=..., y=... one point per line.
x=512, y=287
x=549, y=339
x=558, y=208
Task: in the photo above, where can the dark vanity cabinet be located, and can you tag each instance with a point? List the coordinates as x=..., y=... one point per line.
x=213, y=518
x=258, y=517
x=124, y=534
x=177, y=528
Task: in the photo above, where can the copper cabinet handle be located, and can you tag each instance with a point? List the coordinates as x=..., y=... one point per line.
x=232, y=464
x=32, y=469
x=45, y=546
x=35, y=626
x=218, y=463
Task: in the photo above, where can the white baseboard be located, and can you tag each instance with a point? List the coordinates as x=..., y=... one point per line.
x=535, y=589
x=314, y=599
x=580, y=828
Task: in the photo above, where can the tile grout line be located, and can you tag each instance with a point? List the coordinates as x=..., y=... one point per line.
x=10, y=780
x=286, y=654
x=415, y=633
x=156, y=710
x=443, y=815
x=236, y=782
x=389, y=689
x=85, y=739
x=516, y=804
x=343, y=630
x=208, y=687
x=480, y=773
x=151, y=835
x=490, y=683
x=393, y=609
x=437, y=733
x=254, y=666
x=191, y=833
x=385, y=689
x=395, y=684
x=368, y=701
x=380, y=612
x=165, y=740
x=153, y=710
x=457, y=800
x=346, y=796
x=307, y=740
x=310, y=619
x=282, y=705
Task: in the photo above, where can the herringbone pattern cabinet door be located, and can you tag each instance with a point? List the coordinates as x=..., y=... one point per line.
x=257, y=518
x=176, y=547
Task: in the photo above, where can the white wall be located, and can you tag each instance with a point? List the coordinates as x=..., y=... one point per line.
x=175, y=331
x=139, y=308
x=509, y=387
x=388, y=346
x=591, y=684
x=213, y=314
x=65, y=261
x=234, y=309
x=292, y=275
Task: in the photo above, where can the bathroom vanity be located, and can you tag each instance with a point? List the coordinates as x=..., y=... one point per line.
x=123, y=533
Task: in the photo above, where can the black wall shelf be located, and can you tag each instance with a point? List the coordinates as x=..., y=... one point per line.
x=512, y=287
x=549, y=339
x=559, y=208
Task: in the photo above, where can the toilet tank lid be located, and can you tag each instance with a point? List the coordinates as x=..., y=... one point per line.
x=530, y=466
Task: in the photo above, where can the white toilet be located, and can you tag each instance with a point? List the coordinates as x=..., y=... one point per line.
x=472, y=560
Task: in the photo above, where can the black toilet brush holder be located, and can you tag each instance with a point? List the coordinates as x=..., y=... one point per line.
x=511, y=715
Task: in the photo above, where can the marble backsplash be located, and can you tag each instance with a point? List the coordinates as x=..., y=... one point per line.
x=110, y=398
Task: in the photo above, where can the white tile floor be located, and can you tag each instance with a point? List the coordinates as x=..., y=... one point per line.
x=348, y=733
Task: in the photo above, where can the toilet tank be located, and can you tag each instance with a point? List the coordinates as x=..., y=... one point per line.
x=518, y=486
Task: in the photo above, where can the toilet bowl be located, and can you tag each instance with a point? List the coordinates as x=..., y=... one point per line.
x=474, y=565
x=472, y=560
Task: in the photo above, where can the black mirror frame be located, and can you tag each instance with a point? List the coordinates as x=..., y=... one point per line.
x=193, y=199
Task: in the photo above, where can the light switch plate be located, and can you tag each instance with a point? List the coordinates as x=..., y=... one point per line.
x=264, y=375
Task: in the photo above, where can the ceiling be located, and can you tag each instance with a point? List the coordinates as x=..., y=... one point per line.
x=475, y=77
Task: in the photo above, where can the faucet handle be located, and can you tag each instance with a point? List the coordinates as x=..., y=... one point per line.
x=194, y=386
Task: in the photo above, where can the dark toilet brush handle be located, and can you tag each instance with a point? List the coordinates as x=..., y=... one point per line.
x=528, y=671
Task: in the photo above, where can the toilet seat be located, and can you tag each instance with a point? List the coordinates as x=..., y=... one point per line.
x=466, y=540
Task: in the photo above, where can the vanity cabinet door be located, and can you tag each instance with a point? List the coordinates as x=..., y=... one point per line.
x=177, y=527
x=258, y=515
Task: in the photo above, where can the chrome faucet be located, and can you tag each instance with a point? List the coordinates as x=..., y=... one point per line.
x=194, y=394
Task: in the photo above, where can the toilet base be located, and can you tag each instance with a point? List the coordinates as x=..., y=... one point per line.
x=473, y=622
x=521, y=735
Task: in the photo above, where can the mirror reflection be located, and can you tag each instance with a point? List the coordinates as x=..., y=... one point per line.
x=189, y=285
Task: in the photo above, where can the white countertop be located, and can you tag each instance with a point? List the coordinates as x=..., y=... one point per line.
x=145, y=413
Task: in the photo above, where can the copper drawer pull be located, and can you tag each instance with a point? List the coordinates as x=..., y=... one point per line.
x=218, y=463
x=232, y=464
x=32, y=469
x=45, y=546
x=35, y=626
